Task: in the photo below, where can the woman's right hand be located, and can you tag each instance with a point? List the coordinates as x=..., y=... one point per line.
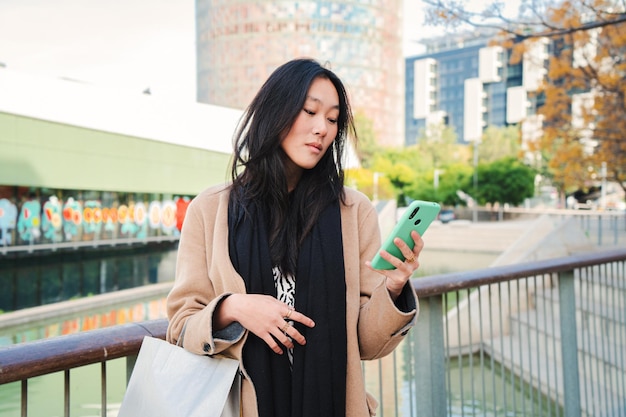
x=265, y=316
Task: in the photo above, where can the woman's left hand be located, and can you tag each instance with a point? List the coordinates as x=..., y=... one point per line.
x=397, y=278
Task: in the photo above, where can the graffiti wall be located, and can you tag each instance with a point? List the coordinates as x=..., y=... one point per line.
x=31, y=219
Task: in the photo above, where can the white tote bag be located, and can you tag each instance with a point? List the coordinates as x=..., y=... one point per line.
x=168, y=381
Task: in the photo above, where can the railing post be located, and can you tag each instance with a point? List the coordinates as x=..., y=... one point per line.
x=600, y=229
x=24, y=404
x=569, y=344
x=430, y=369
x=130, y=365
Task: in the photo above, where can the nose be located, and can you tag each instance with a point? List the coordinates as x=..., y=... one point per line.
x=320, y=128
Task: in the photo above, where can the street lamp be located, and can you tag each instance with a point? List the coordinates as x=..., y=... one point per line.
x=474, y=211
x=438, y=172
x=375, y=192
x=603, y=190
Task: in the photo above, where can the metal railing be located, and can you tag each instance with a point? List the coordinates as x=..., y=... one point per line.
x=544, y=338
x=96, y=243
x=604, y=228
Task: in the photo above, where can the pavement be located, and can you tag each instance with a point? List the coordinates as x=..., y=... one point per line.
x=467, y=236
x=545, y=236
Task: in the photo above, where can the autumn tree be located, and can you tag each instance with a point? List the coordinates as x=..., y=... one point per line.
x=583, y=97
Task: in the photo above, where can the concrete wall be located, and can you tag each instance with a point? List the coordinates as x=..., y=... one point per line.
x=41, y=153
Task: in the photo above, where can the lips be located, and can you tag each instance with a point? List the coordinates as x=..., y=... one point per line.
x=316, y=147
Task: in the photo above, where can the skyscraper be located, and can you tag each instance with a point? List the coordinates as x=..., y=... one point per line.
x=240, y=43
x=435, y=84
x=464, y=82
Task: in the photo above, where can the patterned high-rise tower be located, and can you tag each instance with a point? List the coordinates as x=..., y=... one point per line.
x=239, y=43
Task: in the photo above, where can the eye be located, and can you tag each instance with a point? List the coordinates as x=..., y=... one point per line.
x=333, y=121
x=309, y=112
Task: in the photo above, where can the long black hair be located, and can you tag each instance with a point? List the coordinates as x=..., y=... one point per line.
x=258, y=167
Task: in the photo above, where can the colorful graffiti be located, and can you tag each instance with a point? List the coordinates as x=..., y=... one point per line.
x=29, y=221
x=8, y=216
x=75, y=220
x=72, y=218
x=52, y=220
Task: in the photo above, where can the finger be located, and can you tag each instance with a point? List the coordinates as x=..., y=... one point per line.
x=410, y=258
x=417, y=249
x=295, y=336
x=419, y=242
x=394, y=261
x=293, y=332
x=401, y=244
x=271, y=342
x=405, y=250
x=382, y=272
x=301, y=318
x=284, y=338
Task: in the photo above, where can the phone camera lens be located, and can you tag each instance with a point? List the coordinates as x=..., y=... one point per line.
x=414, y=213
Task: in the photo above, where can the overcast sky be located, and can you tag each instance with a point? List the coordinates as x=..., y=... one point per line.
x=131, y=44
x=127, y=44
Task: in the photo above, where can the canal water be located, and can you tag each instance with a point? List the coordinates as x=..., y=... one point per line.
x=35, y=279
x=45, y=394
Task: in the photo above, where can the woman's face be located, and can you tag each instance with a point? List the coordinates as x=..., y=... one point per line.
x=313, y=131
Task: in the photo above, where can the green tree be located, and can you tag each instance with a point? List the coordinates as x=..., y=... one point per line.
x=438, y=145
x=400, y=167
x=363, y=180
x=499, y=142
x=444, y=189
x=412, y=170
x=506, y=180
x=367, y=145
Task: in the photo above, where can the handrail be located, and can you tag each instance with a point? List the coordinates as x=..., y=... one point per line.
x=443, y=283
x=28, y=360
x=113, y=243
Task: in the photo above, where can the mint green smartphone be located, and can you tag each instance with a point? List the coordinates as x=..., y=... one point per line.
x=418, y=216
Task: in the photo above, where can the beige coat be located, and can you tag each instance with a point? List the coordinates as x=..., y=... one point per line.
x=204, y=274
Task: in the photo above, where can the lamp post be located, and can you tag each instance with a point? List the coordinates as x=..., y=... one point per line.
x=375, y=192
x=603, y=190
x=438, y=172
x=474, y=210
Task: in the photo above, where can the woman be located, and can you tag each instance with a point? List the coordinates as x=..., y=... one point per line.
x=273, y=269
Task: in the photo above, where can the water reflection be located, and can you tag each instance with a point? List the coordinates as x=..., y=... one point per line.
x=30, y=280
x=95, y=318
x=46, y=393
x=475, y=386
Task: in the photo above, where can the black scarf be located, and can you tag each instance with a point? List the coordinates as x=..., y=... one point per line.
x=317, y=385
